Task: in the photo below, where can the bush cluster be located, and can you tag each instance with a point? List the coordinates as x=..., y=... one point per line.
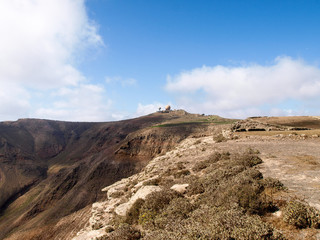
x=273, y=183
x=124, y=232
x=216, y=223
x=227, y=202
x=154, y=204
x=301, y=215
x=219, y=138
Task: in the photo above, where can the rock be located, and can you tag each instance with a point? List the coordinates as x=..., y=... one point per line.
x=277, y=214
x=142, y=193
x=181, y=188
x=227, y=134
x=253, y=125
x=116, y=189
x=303, y=136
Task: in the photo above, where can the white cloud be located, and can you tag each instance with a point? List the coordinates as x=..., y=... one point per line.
x=149, y=108
x=125, y=82
x=40, y=42
x=245, y=90
x=85, y=102
x=14, y=101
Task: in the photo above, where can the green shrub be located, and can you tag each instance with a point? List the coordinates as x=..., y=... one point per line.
x=301, y=215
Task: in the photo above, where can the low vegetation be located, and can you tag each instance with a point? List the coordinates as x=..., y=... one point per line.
x=216, y=120
x=219, y=138
x=227, y=201
x=301, y=215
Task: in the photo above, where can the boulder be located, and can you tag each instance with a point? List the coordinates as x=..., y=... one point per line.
x=181, y=188
x=142, y=193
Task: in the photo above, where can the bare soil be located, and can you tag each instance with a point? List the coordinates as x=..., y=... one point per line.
x=295, y=162
x=296, y=121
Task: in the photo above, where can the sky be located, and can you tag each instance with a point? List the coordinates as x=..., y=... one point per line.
x=106, y=60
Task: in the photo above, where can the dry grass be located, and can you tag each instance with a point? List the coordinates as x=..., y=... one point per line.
x=306, y=159
x=308, y=133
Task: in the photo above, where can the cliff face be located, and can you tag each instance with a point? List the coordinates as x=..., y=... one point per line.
x=50, y=169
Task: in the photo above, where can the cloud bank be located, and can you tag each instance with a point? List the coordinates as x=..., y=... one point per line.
x=248, y=90
x=40, y=45
x=145, y=109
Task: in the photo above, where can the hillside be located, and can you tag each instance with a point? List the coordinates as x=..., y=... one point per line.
x=192, y=171
x=50, y=169
x=212, y=187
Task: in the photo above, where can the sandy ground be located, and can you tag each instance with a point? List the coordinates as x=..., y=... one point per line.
x=296, y=163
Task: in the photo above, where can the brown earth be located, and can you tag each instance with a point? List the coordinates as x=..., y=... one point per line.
x=292, y=157
x=296, y=121
x=51, y=172
x=51, y=169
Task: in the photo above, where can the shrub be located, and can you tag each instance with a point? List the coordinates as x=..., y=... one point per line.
x=195, y=185
x=125, y=232
x=215, y=157
x=227, y=223
x=133, y=213
x=200, y=165
x=96, y=226
x=249, y=160
x=180, y=165
x=181, y=173
x=273, y=183
x=301, y=215
x=153, y=204
x=252, y=151
x=249, y=197
x=178, y=209
x=219, y=138
x=109, y=229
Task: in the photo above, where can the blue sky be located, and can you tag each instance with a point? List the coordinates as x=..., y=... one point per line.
x=102, y=60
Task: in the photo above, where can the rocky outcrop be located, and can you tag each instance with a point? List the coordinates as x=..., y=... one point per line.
x=65, y=165
x=252, y=125
x=142, y=193
x=181, y=188
x=150, y=142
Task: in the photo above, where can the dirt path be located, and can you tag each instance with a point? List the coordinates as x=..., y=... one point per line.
x=296, y=163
